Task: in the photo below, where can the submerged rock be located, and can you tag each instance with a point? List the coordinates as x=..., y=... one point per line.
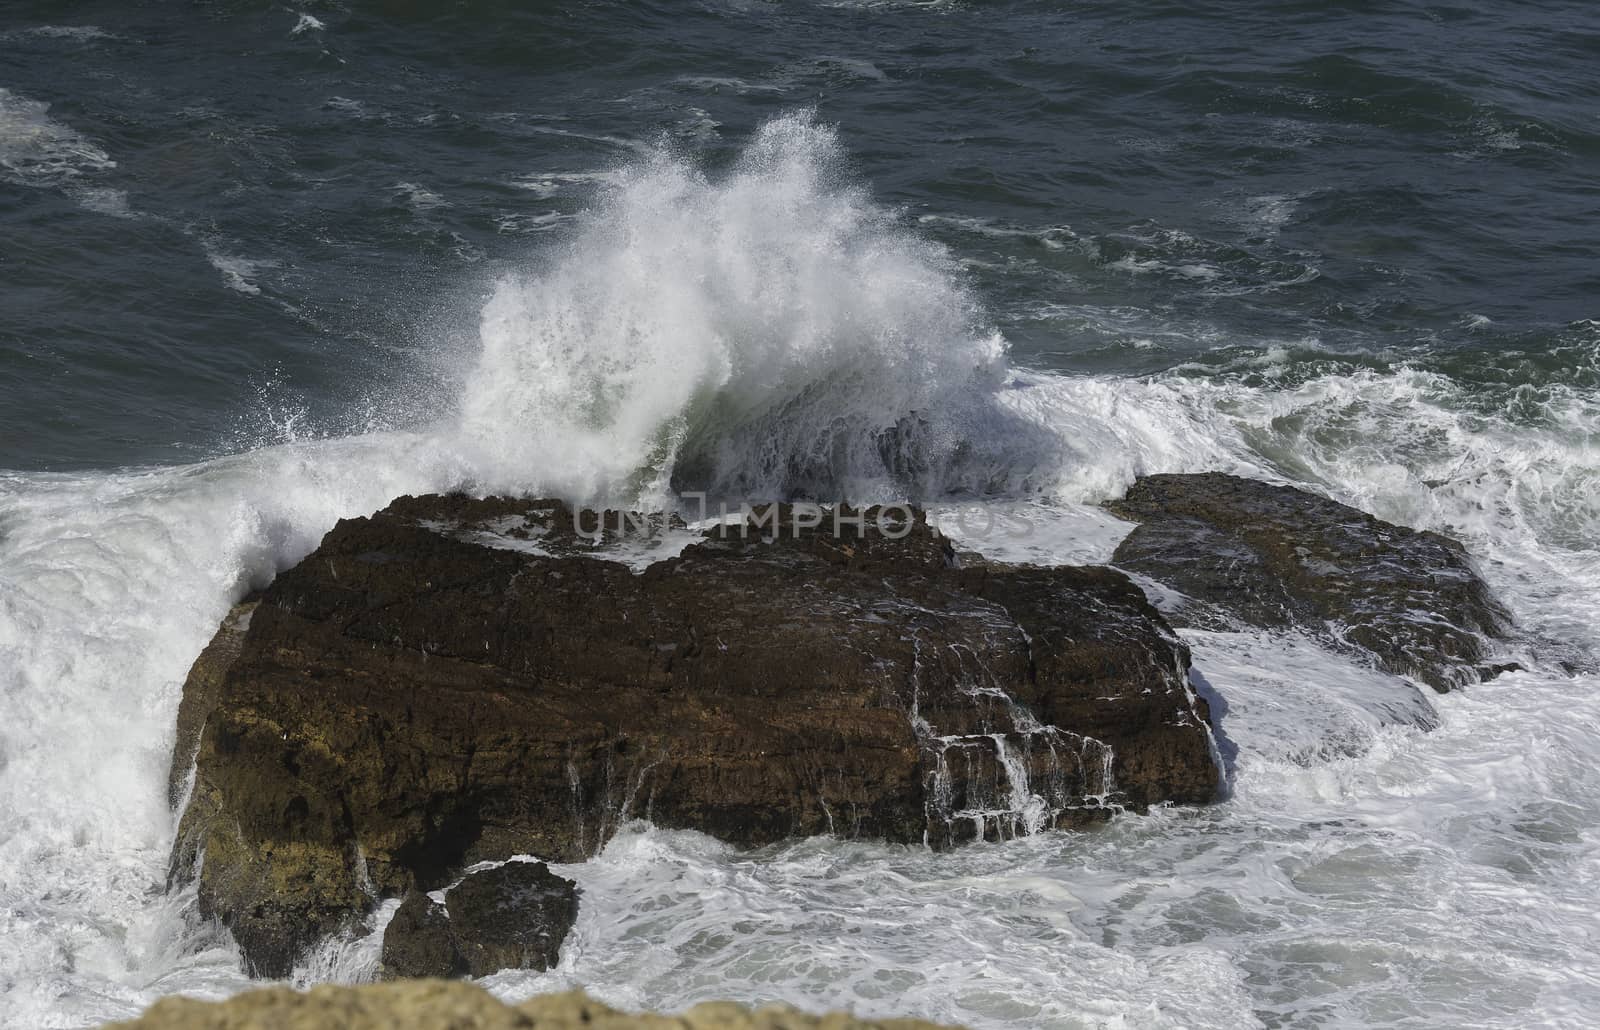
x=452, y=681
x=1274, y=556
x=514, y=916
x=443, y=1005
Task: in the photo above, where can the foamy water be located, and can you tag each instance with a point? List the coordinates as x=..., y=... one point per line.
x=765, y=329
x=775, y=330
x=38, y=152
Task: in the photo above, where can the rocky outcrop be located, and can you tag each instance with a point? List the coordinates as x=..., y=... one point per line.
x=444, y=1005
x=1274, y=556
x=456, y=680
x=513, y=916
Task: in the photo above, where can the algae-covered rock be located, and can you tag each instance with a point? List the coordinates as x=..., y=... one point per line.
x=1275, y=556
x=453, y=1005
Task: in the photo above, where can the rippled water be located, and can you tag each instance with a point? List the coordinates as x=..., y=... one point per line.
x=264, y=266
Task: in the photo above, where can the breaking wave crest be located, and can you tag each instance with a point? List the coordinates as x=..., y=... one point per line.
x=769, y=333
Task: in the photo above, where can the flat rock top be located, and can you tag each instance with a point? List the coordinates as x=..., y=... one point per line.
x=452, y=1005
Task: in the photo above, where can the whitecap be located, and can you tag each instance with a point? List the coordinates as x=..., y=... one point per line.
x=74, y=33
x=417, y=196
x=238, y=273
x=36, y=150
x=548, y=184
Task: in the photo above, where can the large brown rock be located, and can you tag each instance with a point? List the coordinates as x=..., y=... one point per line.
x=445, y=1005
x=1274, y=556
x=453, y=680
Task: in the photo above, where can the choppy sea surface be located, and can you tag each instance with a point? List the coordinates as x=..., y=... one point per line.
x=264, y=265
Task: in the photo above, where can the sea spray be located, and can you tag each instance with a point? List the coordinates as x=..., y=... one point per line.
x=769, y=333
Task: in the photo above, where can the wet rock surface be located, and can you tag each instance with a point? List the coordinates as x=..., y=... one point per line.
x=514, y=916
x=455, y=680
x=1275, y=556
x=417, y=942
x=200, y=692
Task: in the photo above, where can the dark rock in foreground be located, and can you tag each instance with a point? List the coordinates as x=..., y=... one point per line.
x=1274, y=556
x=451, y=681
x=514, y=916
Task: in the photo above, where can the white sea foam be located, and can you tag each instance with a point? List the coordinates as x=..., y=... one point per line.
x=417, y=196
x=1052, y=237
x=773, y=329
x=717, y=83
x=548, y=184
x=108, y=585
x=853, y=67
x=1269, y=212
x=104, y=200
x=697, y=124
x=524, y=222
x=74, y=33
x=1363, y=872
x=349, y=106
x=41, y=153
x=38, y=151
x=1187, y=270
x=238, y=273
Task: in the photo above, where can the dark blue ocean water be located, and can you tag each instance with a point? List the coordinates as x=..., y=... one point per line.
x=219, y=217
